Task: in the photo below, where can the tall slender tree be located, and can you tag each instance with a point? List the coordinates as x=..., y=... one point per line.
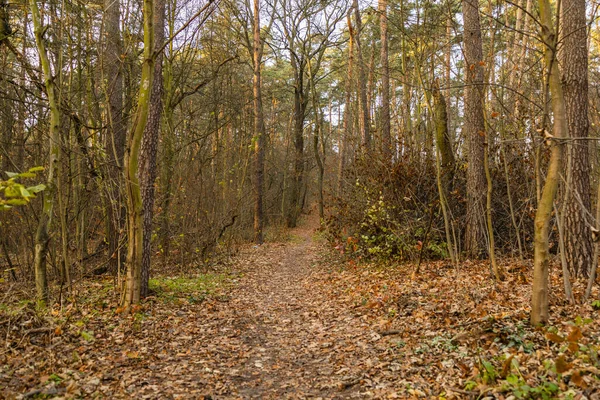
x=112, y=70
x=259, y=128
x=132, y=289
x=364, y=123
x=540, y=289
x=386, y=136
x=149, y=145
x=474, y=129
x=346, y=132
x=42, y=237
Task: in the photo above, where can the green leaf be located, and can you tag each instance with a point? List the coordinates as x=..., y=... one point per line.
x=55, y=378
x=36, y=188
x=36, y=169
x=11, y=174
x=12, y=191
x=23, y=192
x=16, y=202
x=87, y=336
x=27, y=175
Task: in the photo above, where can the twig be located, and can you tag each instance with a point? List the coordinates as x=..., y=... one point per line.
x=469, y=392
x=38, y=330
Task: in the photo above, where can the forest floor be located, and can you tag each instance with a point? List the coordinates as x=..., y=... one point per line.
x=295, y=320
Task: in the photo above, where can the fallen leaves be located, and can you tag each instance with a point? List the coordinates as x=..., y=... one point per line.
x=292, y=321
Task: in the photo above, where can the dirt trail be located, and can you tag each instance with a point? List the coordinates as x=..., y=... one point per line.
x=279, y=333
x=295, y=331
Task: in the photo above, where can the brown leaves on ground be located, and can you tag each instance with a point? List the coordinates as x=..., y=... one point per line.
x=290, y=320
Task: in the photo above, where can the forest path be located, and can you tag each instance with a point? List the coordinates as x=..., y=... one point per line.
x=284, y=329
x=300, y=342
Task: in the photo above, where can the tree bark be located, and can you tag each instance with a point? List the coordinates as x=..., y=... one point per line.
x=539, y=299
x=573, y=57
x=386, y=136
x=363, y=114
x=259, y=130
x=149, y=145
x=132, y=289
x=474, y=128
x=347, y=124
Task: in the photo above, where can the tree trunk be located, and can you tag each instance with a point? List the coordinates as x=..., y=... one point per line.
x=386, y=136
x=42, y=238
x=112, y=61
x=346, y=133
x=573, y=56
x=259, y=130
x=363, y=114
x=149, y=147
x=474, y=128
x=539, y=299
x=132, y=289
x=300, y=102
x=444, y=163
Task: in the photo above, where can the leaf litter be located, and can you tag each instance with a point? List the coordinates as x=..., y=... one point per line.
x=295, y=320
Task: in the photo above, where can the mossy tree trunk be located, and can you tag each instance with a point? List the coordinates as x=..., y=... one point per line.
x=539, y=299
x=132, y=289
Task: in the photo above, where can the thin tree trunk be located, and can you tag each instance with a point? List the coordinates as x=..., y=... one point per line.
x=346, y=133
x=149, y=147
x=444, y=163
x=386, y=136
x=132, y=289
x=112, y=68
x=42, y=237
x=539, y=300
x=498, y=270
x=259, y=129
x=363, y=114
